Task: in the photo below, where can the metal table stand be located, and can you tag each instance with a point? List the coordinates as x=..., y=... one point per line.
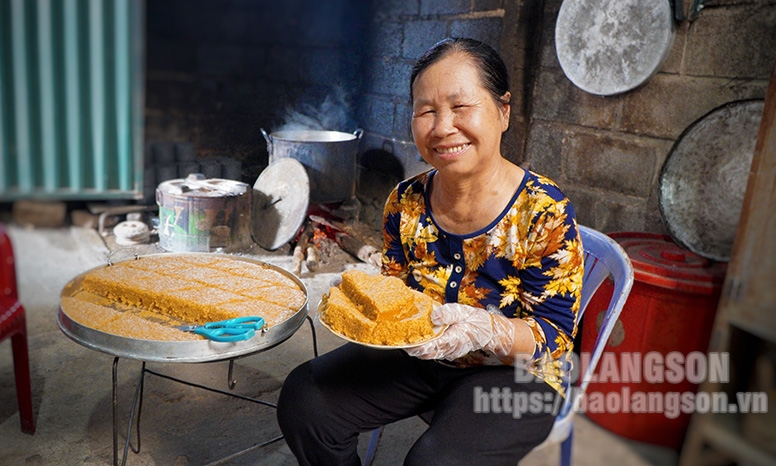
x=137, y=404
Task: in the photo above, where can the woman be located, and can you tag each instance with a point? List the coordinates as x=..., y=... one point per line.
x=499, y=246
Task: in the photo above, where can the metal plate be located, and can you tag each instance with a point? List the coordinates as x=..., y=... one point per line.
x=703, y=180
x=179, y=351
x=607, y=47
x=281, y=196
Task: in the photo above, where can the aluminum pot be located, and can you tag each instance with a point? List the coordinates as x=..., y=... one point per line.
x=329, y=157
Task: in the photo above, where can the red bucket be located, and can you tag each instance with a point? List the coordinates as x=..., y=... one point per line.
x=669, y=315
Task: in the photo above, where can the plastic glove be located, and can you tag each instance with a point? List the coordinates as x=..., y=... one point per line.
x=336, y=281
x=470, y=329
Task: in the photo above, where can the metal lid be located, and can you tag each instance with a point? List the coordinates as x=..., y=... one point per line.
x=281, y=196
x=311, y=135
x=196, y=185
x=658, y=260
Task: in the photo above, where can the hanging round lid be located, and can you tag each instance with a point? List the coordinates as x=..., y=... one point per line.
x=281, y=196
x=703, y=180
x=659, y=261
x=606, y=47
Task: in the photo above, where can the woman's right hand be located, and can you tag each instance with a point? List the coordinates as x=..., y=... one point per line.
x=469, y=329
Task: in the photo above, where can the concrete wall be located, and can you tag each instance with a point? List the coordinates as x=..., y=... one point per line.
x=217, y=72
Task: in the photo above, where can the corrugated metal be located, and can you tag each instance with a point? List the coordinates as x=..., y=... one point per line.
x=71, y=99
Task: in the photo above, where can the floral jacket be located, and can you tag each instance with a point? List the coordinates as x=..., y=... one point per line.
x=527, y=263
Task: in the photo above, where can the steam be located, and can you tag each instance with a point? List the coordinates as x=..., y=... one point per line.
x=332, y=114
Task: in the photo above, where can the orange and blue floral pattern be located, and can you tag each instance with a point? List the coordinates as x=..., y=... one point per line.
x=528, y=263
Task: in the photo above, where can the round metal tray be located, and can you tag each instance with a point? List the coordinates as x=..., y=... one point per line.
x=607, y=47
x=703, y=180
x=179, y=351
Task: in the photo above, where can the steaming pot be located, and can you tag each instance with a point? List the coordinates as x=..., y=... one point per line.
x=329, y=157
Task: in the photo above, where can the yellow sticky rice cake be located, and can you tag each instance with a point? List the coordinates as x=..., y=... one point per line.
x=339, y=312
x=191, y=289
x=379, y=297
x=121, y=323
x=373, y=309
x=411, y=329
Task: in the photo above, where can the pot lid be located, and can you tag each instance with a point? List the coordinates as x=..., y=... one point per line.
x=281, y=195
x=703, y=180
x=312, y=135
x=658, y=260
x=607, y=47
x=196, y=185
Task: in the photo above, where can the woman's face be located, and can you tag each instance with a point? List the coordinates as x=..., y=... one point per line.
x=456, y=122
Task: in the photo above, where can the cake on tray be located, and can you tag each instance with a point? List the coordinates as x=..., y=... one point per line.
x=377, y=309
x=147, y=297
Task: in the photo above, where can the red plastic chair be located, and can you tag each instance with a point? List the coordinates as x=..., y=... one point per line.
x=13, y=324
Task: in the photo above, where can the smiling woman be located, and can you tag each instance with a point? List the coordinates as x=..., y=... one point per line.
x=496, y=246
x=457, y=124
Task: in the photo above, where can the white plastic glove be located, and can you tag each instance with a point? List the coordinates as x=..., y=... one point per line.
x=470, y=329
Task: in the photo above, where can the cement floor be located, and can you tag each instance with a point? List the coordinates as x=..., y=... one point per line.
x=182, y=425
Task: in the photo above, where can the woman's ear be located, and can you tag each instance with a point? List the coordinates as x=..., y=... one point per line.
x=506, y=108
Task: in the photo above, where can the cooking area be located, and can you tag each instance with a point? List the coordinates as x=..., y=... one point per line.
x=252, y=145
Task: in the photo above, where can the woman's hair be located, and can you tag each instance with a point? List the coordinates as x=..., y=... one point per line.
x=492, y=70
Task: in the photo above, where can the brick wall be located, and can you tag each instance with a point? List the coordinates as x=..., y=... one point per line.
x=400, y=31
x=606, y=152
x=219, y=71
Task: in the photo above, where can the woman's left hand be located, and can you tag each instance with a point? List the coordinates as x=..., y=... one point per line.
x=470, y=329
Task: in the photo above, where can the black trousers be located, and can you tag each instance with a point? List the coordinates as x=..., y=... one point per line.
x=326, y=402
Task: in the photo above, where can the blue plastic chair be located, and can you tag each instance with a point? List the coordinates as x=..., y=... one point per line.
x=603, y=258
